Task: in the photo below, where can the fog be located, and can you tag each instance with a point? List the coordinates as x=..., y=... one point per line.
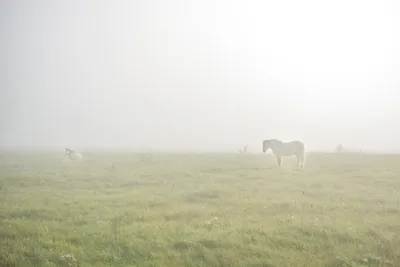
x=199, y=75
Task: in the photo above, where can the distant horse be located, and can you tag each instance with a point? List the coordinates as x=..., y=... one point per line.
x=72, y=154
x=243, y=150
x=280, y=149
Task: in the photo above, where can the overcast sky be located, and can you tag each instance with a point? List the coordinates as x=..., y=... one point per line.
x=200, y=75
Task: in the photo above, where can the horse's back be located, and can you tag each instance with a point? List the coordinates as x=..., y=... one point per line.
x=295, y=147
x=297, y=143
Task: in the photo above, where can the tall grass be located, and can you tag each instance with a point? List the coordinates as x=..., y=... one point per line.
x=199, y=210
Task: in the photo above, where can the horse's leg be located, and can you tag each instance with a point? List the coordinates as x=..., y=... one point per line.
x=279, y=160
x=298, y=161
x=302, y=160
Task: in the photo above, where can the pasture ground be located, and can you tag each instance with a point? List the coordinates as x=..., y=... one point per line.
x=199, y=210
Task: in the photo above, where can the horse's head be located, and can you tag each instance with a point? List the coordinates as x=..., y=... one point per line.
x=266, y=145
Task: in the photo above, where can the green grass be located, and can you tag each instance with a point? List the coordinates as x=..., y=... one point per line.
x=199, y=210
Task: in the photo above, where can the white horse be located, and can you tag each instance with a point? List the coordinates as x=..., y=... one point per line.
x=72, y=154
x=280, y=149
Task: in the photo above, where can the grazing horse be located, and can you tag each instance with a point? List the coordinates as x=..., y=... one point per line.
x=281, y=149
x=72, y=154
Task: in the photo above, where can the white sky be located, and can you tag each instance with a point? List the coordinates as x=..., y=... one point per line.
x=200, y=75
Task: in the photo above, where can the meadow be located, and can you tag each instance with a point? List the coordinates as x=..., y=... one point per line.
x=121, y=209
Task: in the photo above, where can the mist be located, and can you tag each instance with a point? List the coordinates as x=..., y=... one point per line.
x=199, y=75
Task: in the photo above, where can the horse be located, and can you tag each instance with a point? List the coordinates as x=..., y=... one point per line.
x=72, y=154
x=280, y=149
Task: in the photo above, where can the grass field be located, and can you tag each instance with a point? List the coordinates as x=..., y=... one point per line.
x=199, y=210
